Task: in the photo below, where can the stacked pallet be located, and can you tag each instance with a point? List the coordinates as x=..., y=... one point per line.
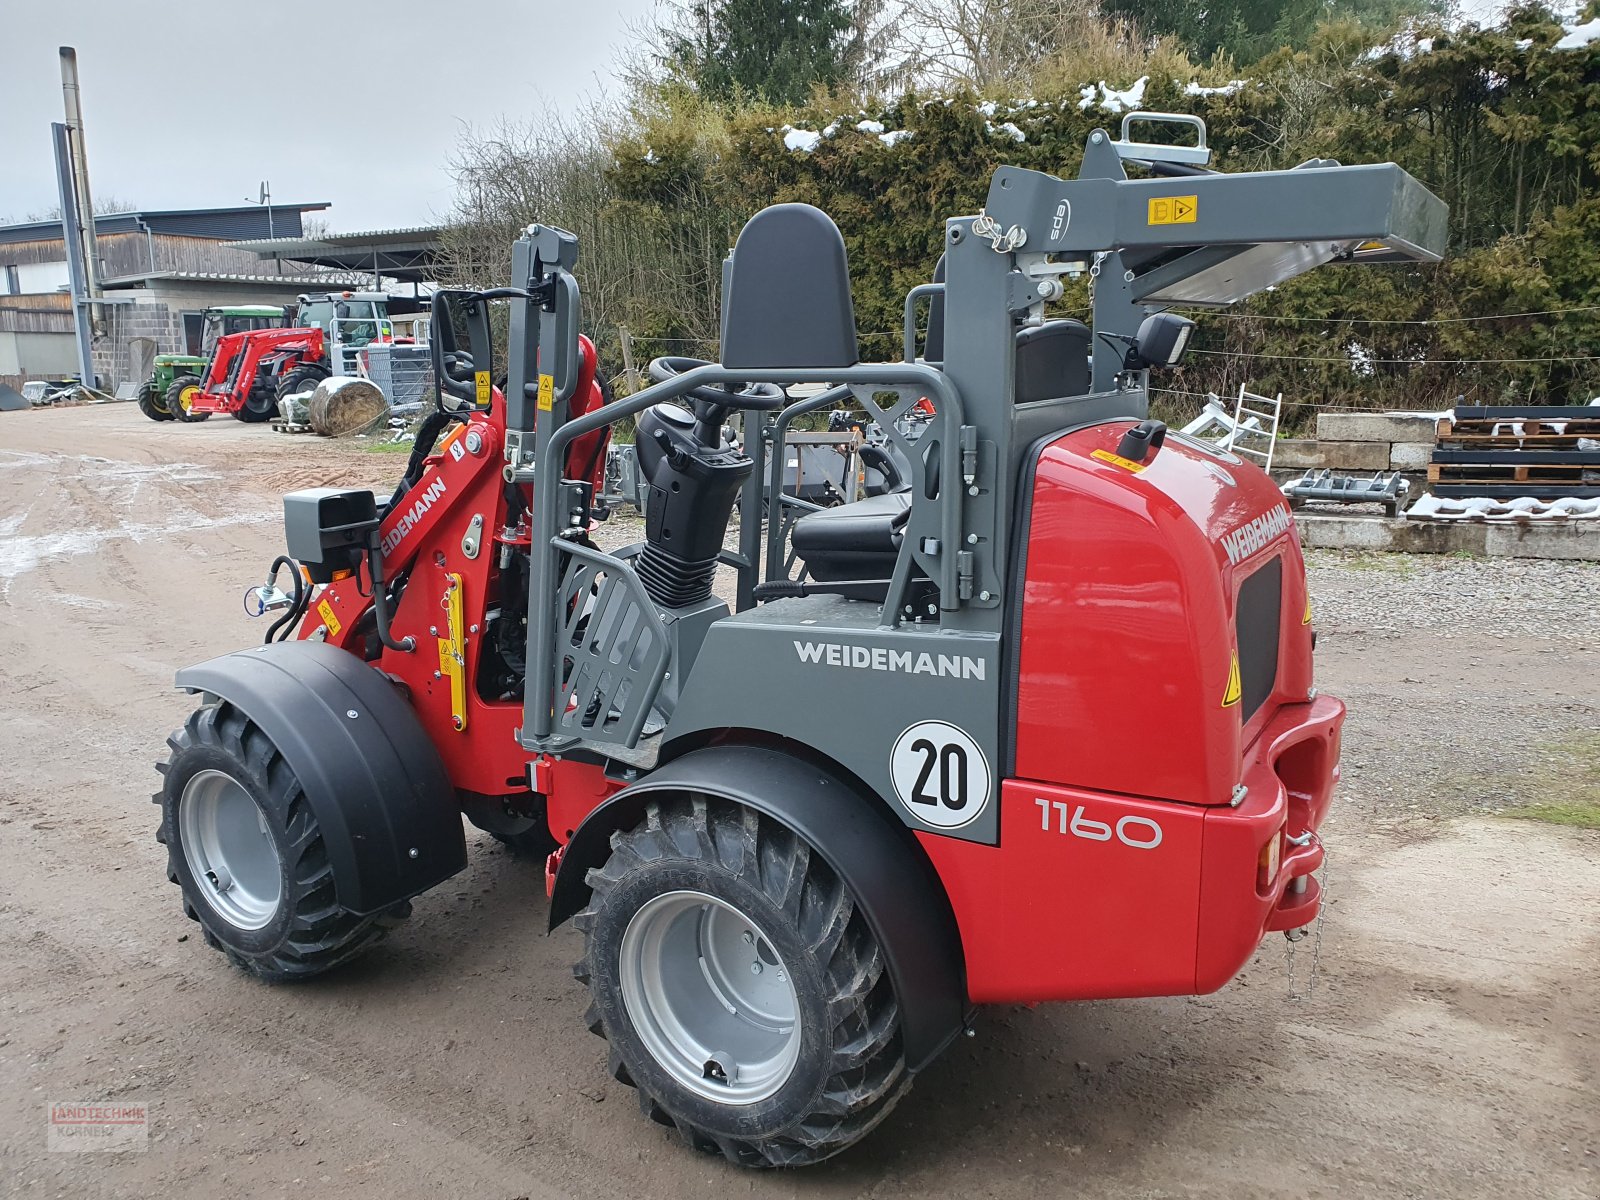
x=1546, y=453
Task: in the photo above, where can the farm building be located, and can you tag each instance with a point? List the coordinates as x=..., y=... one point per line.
x=159, y=270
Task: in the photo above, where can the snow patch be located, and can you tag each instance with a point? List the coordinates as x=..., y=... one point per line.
x=20, y=553
x=803, y=140
x=1111, y=100
x=1006, y=129
x=1579, y=36
x=1232, y=87
x=895, y=136
x=870, y=126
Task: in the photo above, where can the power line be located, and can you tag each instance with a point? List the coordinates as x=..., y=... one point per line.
x=1548, y=312
x=1350, y=361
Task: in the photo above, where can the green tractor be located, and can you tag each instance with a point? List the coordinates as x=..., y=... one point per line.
x=176, y=374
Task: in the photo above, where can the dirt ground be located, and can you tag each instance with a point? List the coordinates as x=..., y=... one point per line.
x=1449, y=1048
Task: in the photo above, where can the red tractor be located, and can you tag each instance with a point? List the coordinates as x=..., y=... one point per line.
x=1040, y=724
x=250, y=372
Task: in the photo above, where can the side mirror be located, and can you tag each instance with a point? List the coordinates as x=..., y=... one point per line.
x=460, y=375
x=1160, y=342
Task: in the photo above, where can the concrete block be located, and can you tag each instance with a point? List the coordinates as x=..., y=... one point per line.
x=1409, y=456
x=1572, y=540
x=1302, y=454
x=1333, y=531
x=1373, y=427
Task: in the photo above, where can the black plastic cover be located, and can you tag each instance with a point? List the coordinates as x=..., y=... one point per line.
x=1053, y=360
x=788, y=296
x=374, y=780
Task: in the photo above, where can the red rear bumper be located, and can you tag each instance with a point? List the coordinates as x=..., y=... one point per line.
x=1093, y=895
x=1290, y=773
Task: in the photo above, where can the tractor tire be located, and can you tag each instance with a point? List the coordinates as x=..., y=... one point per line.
x=260, y=405
x=300, y=379
x=152, y=404
x=183, y=387
x=247, y=852
x=739, y=986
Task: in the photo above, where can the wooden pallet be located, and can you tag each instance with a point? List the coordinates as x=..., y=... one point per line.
x=1511, y=473
x=1548, y=424
x=291, y=427
x=1515, y=491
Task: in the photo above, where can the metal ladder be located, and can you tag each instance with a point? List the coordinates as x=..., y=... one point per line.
x=1254, y=431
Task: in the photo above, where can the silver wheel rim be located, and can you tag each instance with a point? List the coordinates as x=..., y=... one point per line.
x=710, y=998
x=231, y=856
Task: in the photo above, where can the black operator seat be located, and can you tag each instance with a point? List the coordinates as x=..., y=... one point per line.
x=862, y=540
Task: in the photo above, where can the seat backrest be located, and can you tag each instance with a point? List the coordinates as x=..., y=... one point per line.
x=1053, y=360
x=787, y=299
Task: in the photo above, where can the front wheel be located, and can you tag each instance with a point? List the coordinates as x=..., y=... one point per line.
x=259, y=405
x=180, y=399
x=248, y=853
x=739, y=986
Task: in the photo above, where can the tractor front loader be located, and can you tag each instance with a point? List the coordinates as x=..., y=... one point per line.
x=1039, y=724
x=249, y=373
x=176, y=379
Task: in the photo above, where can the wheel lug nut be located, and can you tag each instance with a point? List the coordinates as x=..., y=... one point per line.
x=755, y=967
x=749, y=938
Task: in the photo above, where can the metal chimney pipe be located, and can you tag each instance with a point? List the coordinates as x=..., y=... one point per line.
x=88, y=249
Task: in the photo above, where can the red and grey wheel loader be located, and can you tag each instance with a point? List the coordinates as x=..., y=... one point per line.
x=250, y=372
x=1041, y=724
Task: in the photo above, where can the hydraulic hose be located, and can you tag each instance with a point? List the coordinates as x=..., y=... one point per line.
x=380, y=601
x=297, y=604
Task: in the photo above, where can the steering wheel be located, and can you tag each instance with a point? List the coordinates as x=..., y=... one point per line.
x=757, y=397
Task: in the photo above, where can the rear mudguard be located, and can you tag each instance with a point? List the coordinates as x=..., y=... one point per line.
x=380, y=793
x=899, y=894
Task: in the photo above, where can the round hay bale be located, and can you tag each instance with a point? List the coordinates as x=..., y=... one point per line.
x=343, y=405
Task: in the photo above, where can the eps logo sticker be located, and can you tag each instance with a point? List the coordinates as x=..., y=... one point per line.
x=940, y=774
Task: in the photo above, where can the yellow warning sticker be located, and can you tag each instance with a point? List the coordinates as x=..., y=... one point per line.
x=1116, y=460
x=329, y=618
x=480, y=380
x=547, y=393
x=1306, y=620
x=1235, y=689
x=1174, y=210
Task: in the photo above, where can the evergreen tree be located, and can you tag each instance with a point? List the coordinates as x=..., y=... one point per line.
x=776, y=50
x=1247, y=29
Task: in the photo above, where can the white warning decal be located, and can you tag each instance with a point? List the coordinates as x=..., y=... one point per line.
x=940, y=775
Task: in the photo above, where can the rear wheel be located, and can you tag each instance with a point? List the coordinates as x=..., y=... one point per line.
x=153, y=404
x=247, y=851
x=739, y=986
x=180, y=396
x=259, y=405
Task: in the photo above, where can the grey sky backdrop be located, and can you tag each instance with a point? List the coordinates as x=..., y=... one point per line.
x=191, y=103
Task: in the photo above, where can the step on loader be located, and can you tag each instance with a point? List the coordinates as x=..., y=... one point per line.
x=1040, y=724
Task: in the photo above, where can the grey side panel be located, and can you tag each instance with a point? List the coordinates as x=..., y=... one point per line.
x=374, y=780
x=897, y=888
x=820, y=671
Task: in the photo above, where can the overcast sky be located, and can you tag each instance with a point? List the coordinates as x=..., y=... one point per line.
x=191, y=103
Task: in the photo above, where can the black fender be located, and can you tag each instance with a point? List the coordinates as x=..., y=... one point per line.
x=373, y=778
x=900, y=893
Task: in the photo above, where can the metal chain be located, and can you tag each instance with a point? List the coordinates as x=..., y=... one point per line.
x=1316, y=946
